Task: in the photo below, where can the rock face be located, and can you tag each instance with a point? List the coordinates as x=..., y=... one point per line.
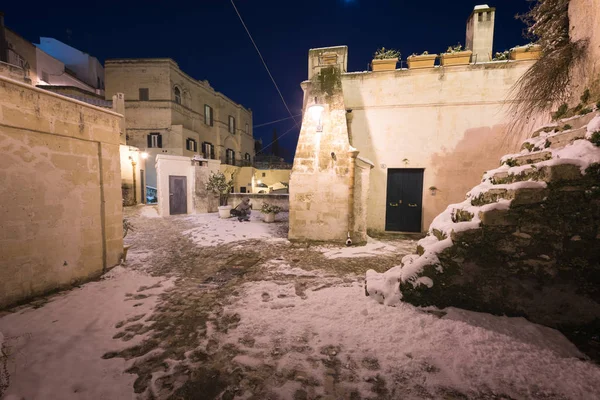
x=525, y=242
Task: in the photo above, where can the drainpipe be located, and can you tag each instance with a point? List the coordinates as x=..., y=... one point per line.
x=353, y=153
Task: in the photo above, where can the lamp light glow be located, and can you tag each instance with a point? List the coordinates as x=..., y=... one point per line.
x=315, y=112
x=144, y=155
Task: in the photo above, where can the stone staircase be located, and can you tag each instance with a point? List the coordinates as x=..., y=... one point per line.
x=525, y=242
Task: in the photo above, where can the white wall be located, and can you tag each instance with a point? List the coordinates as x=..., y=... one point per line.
x=166, y=166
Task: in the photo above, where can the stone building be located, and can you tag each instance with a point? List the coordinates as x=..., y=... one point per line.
x=170, y=113
x=426, y=133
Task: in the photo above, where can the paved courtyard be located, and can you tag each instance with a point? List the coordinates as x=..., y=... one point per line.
x=217, y=309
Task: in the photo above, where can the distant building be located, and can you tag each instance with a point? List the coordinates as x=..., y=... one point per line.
x=169, y=112
x=77, y=63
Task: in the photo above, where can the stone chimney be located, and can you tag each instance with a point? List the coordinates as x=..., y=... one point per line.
x=3, y=44
x=480, y=33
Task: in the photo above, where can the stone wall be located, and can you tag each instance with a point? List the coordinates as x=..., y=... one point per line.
x=60, y=203
x=14, y=72
x=584, y=19
x=130, y=158
x=257, y=200
x=205, y=201
x=320, y=184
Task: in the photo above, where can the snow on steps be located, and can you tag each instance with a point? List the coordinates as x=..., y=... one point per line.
x=566, y=156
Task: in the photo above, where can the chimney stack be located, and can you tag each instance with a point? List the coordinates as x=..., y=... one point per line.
x=480, y=32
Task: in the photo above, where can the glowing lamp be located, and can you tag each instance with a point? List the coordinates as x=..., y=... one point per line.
x=144, y=155
x=315, y=112
x=259, y=181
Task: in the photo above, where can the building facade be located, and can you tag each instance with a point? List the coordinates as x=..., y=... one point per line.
x=168, y=112
x=427, y=134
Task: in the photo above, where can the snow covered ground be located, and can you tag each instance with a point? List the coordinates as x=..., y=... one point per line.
x=54, y=352
x=223, y=309
x=402, y=352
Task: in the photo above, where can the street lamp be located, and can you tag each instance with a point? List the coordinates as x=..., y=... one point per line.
x=315, y=111
x=144, y=155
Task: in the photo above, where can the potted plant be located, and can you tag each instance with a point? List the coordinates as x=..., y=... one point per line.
x=424, y=60
x=456, y=55
x=219, y=185
x=528, y=52
x=385, y=60
x=270, y=211
x=127, y=226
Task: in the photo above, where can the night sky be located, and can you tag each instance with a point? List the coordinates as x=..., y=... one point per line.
x=207, y=40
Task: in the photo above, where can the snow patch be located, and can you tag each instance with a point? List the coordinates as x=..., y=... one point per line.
x=466, y=351
x=371, y=249
x=149, y=212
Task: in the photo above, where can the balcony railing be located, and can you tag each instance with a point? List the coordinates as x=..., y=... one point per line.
x=236, y=163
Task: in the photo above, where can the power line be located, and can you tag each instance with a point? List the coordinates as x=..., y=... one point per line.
x=264, y=63
x=279, y=137
x=274, y=122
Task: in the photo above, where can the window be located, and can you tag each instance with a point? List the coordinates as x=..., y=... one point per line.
x=177, y=95
x=155, y=140
x=144, y=94
x=242, y=189
x=208, y=150
x=208, y=115
x=488, y=16
x=247, y=129
x=231, y=125
x=190, y=144
x=480, y=17
x=247, y=157
x=264, y=174
x=230, y=157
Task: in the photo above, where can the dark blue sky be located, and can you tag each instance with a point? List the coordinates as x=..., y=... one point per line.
x=207, y=40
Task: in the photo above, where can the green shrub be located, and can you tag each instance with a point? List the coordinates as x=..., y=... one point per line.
x=562, y=110
x=566, y=127
x=383, y=54
x=585, y=97
x=511, y=162
x=595, y=139
x=584, y=111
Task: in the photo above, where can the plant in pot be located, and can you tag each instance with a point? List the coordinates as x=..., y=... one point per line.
x=219, y=185
x=423, y=60
x=528, y=52
x=456, y=55
x=385, y=59
x=270, y=211
x=127, y=226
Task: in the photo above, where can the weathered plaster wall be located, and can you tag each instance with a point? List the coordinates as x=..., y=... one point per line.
x=166, y=166
x=21, y=48
x=449, y=121
x=205, y=201
x=14, y=72
x=60, y=203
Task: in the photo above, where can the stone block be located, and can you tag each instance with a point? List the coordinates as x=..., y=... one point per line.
x=497, y=218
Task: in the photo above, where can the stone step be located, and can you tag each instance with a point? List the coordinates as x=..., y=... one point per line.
x=564, y=138
x=497, y=218
x=548, y=173
x=519, y=196
x=530, y=158
x=575, y=123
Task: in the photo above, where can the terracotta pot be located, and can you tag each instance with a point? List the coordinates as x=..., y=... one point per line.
x=384, y=65
x=458, y=58
x=224, y=212
x=270, y=217
x=422, y=61
x=526, y=53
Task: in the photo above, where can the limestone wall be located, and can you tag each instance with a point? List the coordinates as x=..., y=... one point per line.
x=60, y=203
x=584, y=18
x=321, y=176
x=452, y=122
x=257, y=200
x=14, y=72
x=128, y=155
x=205, y=201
